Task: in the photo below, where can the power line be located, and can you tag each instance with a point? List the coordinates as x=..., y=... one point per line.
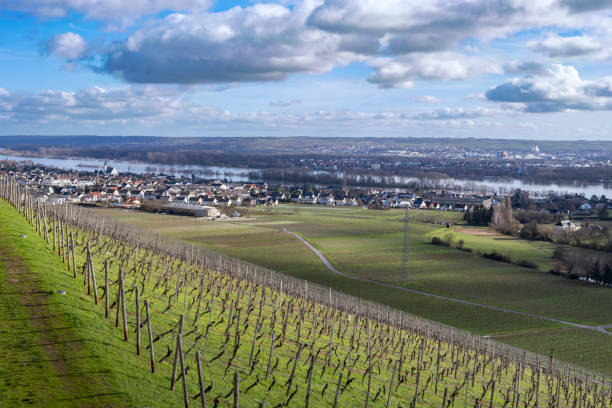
x=406, y=255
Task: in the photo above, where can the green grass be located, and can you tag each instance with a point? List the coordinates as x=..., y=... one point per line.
x=127, y=375
x=88, y=362
x=260, y=241
x=115, y=375
x=578, y=345
x=484, y=240
x=22, y=359
x=370, y=244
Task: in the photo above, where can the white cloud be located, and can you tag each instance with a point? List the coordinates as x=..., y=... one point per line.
x=587, y=5
x=528, y=125
x=91, y=104
x=265, y=42
x=525, y=68
x=117, y=13
x=172, y=106
x=443, y=66
x=555, y=46
x=428, y=99
x=403, y=40
x=68, y=46
x=457, y=113
x=406, y=26
x=560, y=88
x=284, y=104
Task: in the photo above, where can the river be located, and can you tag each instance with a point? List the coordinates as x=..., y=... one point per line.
x=502, y=186
x=232, y=173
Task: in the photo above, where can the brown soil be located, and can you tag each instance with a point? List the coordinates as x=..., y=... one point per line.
x=479, y=232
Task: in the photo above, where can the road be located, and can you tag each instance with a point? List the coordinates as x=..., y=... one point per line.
x=319, y=254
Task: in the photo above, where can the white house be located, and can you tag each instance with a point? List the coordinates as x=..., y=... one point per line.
x=567, y=226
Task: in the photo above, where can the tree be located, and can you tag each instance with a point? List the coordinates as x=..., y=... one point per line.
x=460, y=244
x=607, y=274
x=479, y=216
x=503, y=220
x=521, y=199
x=449, y=238
x=602, y=213
x=530, y=230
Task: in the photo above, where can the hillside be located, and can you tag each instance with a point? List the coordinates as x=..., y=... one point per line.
x=263, y=339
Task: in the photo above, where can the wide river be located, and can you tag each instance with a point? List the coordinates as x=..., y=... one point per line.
x=231, y=173
x=238, y=174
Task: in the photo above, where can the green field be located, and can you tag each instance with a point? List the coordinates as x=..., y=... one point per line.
x=90, y=364
x=483, y=239
x=567, y=343
x=370, y=244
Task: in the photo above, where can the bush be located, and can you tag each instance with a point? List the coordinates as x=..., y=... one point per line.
x=460, y=244
x=438, y=241
x=152, y=206
x=527, y=264
x=496, y=257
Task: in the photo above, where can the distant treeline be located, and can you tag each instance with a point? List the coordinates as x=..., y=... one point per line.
x=352, y=178
x=303, y=143
x=161, y=156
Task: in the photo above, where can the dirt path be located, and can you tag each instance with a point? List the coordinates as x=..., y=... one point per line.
x=44, y=356
x=319, y=254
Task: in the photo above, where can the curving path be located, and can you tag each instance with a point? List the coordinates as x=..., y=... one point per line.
x=319, y=254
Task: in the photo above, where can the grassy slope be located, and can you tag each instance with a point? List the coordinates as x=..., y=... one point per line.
x=107, y=372
x=88, y=361
x=127, y=374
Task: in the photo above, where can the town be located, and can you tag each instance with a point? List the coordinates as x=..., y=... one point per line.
x=223, y=198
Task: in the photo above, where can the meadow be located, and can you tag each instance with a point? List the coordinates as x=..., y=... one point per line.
x=370, y=244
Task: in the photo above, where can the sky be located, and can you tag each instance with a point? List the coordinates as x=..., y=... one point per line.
x=528, y=69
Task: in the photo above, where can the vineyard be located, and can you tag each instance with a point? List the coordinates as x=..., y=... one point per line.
x=223, y=332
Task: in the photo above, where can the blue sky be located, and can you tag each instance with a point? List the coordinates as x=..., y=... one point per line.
x=463, y=68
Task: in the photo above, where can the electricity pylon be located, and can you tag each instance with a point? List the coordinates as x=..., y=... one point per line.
x=406, y=255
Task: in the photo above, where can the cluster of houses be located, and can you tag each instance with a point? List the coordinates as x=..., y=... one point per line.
x=131, y=192
x=210, y=198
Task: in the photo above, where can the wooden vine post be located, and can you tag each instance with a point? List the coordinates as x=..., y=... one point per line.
x=152, y=352
x=137, y=321
x=201, y=379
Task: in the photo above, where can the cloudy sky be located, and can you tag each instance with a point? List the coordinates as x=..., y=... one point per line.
x=462, y=68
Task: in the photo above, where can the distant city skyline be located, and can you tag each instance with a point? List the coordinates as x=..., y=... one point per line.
x=516, y=69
